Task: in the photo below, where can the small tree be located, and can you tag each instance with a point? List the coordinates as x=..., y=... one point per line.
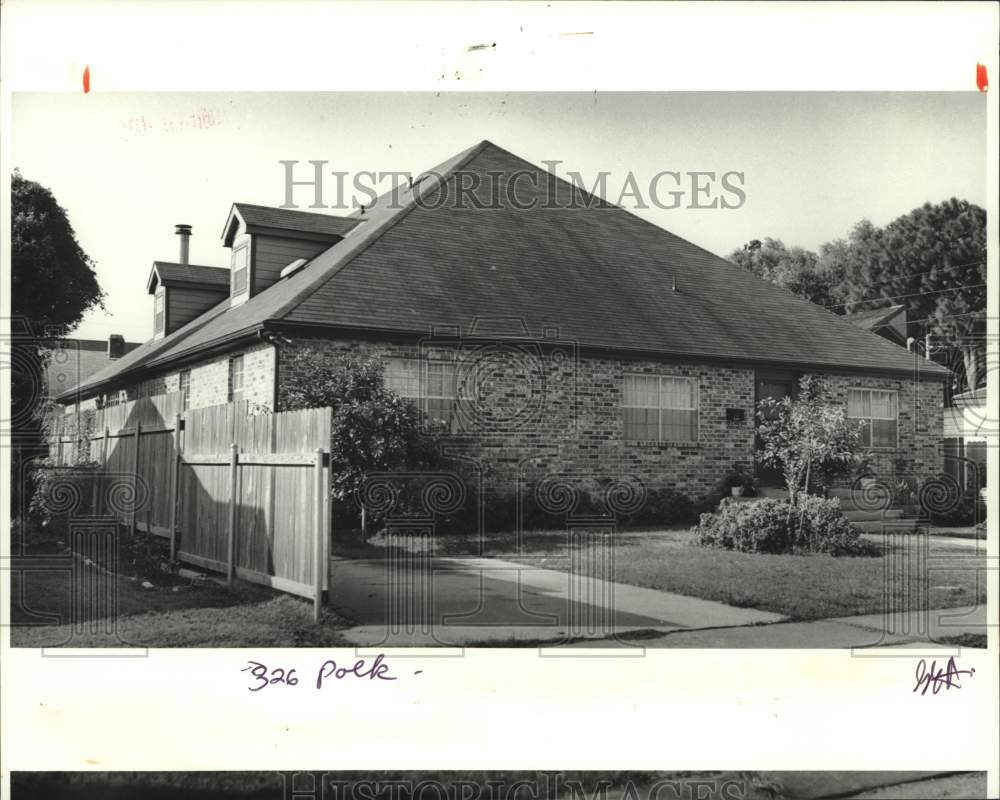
x=373, y=429
x=804, y=435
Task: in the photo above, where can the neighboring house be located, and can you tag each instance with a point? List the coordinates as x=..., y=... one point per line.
x=966, y=428
x=567, y=336
x=71, y=361
x=889, y=322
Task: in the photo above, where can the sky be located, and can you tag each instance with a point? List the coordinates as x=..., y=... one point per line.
x=128, y=167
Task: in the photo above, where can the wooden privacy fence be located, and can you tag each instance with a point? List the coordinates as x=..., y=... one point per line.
x=246, y=495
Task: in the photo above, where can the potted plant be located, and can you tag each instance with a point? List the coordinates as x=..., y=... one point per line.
x=739, y=481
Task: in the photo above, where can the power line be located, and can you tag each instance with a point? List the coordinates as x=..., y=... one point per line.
x=902, y=296
x=946, y=267
x=949, y=316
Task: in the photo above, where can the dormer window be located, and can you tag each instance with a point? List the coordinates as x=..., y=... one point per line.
x=266, y=241
x=240, y=269
x=183, y=292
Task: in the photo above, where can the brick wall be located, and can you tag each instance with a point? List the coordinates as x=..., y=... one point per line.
x=532, y=413
x=544, y=408
x=540, y=409
x=210, y=379
x=920, y=425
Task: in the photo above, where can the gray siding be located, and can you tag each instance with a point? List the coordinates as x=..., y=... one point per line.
x=183, y=304
x=271, y=254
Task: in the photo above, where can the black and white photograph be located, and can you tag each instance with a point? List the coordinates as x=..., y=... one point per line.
x=678, y=370
x=425, y=400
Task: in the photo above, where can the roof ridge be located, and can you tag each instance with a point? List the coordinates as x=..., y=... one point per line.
x=288, y=210
x=189, y=266
x=386, y=226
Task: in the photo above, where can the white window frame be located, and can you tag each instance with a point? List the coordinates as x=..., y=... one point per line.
x=868, y=420
x=244, y=250
x=184, y=390
x=696, y=393
x=231, y=383
x=160, y=312
x=421, y=368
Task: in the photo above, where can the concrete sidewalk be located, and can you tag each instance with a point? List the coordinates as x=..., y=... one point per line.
x=910, y=630
x=461, y=601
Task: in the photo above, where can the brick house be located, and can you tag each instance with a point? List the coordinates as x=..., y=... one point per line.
x=550, y=331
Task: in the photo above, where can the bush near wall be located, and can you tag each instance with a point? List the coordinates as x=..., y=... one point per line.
x=58, y=491
x=771, y=525
x=502, y=513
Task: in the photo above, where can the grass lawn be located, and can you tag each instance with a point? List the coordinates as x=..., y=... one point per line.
x=175, y=613
x=800, y=587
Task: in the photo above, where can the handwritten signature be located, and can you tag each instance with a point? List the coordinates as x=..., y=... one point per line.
x=936, y=679
x=377, y=670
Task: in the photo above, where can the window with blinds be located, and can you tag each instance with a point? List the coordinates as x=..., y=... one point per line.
x=158, y=309
x=185, y=389
x=235, y=379
x=431, y=389
x=240, y=270
x=879, y=410
x=660, y=408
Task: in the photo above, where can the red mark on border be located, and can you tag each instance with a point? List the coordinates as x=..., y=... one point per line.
x=982, y=82
x=86, y=79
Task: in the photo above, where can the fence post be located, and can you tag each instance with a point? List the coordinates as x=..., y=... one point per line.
x=99, y=506
x=320, y=549
x=175, y=475
x=234, y=458
x=135, y=477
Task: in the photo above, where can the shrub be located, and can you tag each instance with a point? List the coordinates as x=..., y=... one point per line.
x=738, y=476
x=141, y=555
x=661, y=507
x=758, y=527
x=59, y=491
x=969, y=509
x=771, y=525
x=373, y=429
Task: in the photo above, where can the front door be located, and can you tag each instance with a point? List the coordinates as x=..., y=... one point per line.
x=776, y=384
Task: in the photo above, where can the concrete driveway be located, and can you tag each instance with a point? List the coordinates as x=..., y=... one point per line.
x=414, y=601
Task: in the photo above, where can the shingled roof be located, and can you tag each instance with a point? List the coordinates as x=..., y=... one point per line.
x=870, y=320
x=428, y=257
x=288, y=220
x=169, y=272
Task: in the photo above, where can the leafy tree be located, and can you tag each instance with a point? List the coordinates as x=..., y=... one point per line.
x=807, y=434
x=795, y=269
x=933, y=260
x=53, y=284
x=373, y=429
